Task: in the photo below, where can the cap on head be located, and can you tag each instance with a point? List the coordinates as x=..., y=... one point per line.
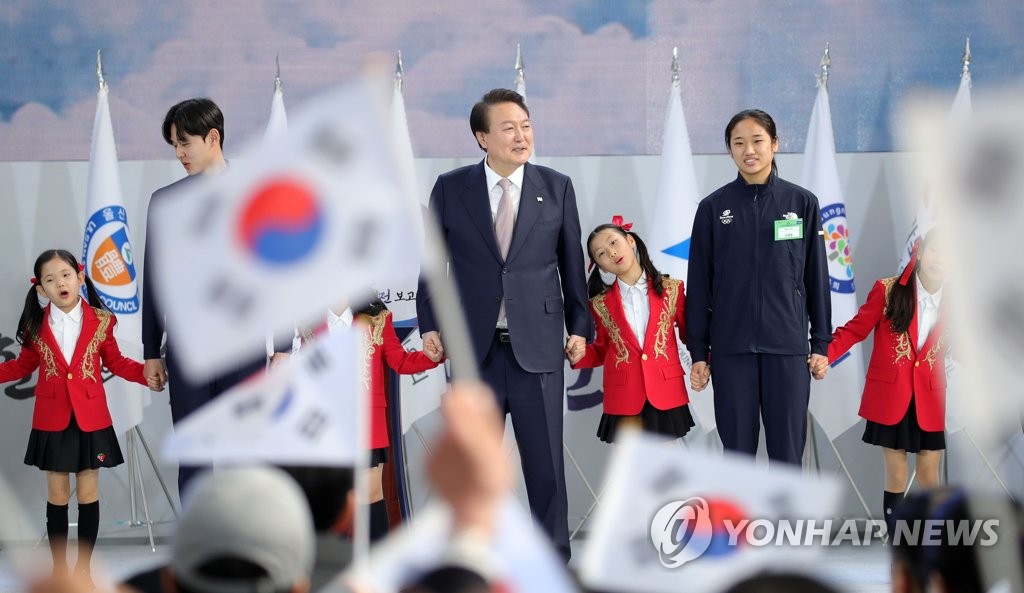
x=255, y=514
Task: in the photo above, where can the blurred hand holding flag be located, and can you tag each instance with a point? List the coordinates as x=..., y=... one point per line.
x=675, y=205
x=303, y=223
x=301, y=412
x=109, y=261
x=645, y=477
x=835, y=400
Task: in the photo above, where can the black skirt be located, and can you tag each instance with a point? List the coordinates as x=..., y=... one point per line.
x=673, y=423
x=73, y=450
x=904, y=435
x=378, y=456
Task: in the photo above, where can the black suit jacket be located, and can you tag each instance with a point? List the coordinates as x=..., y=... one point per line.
x=543, y=280
x=152, y=316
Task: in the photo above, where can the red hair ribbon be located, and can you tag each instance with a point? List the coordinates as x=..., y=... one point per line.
x=620, y=222
x=81, y=267
x=905, y=277
x=33, y=281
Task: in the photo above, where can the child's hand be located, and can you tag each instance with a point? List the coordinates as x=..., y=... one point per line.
x=575, y=348
x=700, y=374
x=432, y=346
x=155, y=383
x=818, y=365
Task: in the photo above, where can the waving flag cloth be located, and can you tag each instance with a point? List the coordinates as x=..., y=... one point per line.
x=302, y=412
x=301, y=224
x=110, y=262
x=675, y=205
x=700, y=521
x=835, y=399
x=959, y=114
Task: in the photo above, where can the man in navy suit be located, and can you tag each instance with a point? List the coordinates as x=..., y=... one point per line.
x=195, y=129
x=514, y=248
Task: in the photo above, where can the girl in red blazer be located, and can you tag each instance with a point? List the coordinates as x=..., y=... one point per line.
x=637, y=318
x=904, y=400
x=382, y=346
x=70, y=341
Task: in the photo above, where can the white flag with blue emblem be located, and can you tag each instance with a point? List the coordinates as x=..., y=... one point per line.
x=301, y=224
x=668, y=237
x=110, y=262
x=301, y=412
x=835, y=400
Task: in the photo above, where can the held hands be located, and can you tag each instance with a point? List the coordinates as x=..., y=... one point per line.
x=155, y=374
x=700, y=374
x=432, y=346
x=818, y=365
x=575, y=348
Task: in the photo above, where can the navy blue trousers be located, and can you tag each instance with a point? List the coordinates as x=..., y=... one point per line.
x=535, y=402
x=772, y=388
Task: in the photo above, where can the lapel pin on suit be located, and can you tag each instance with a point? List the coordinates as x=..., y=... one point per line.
x=540, y=199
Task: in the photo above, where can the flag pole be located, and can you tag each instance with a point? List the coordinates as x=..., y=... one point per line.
x=134, y=435
x=520, y=68
x=822, y=77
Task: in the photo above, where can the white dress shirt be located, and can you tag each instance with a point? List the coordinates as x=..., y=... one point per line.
x=66, y=328
x=335, y=321
x=494, y=190
x=636, y=306
x=927, y=312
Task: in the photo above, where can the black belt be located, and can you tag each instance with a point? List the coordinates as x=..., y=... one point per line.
x=502, y=335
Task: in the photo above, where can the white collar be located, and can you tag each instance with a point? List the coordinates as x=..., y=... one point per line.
x=926, y=298
x=641, y=284
x=493, y=178
x=345, y=317
x=75, y=315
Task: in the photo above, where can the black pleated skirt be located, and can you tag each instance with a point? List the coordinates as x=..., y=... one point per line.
x=904, y=435
x=378, y=456
x=73, y=450
x=673, y=423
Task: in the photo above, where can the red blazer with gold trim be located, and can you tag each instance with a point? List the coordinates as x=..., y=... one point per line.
x=383, y=345
x=62, y=387
x=897, y=370
x=633, y=375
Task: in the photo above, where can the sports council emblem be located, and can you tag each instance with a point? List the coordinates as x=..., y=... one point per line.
x=726, y=217
x=107, y=252
x=837, y=248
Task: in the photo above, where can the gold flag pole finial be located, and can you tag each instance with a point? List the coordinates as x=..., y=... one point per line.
x=277, y=77
x=99, y=70
x=675, y=65
x=826, y=63
x=520, y=69
x=966, y=59
x=399, y=72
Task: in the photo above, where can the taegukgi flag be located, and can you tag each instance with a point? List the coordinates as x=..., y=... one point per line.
x=109, y=261
x=301, y=412
x=302, y=224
